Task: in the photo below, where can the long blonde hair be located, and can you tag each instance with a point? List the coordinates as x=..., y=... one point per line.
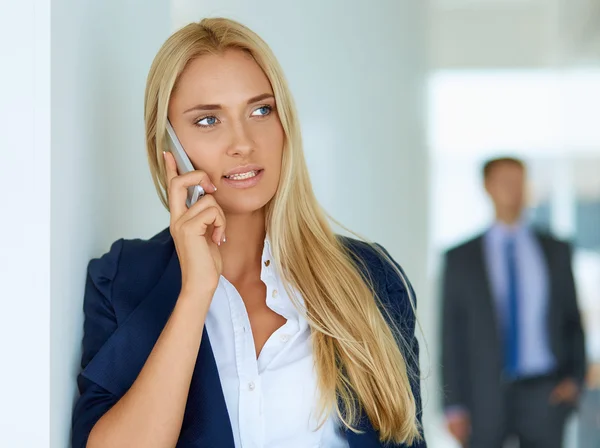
x=357, y=356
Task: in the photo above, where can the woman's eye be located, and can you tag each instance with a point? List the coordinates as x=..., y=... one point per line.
x=207, y=121
x=262, y=111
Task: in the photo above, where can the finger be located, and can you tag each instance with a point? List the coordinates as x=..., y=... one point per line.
x=219, y=236
x=196, y=177
x=218, y=228
x=199, y=224
x=570, y=393
x=178, y=187
x=170, y=166
x=203, y=203
x=174, y=197
x=218, y=231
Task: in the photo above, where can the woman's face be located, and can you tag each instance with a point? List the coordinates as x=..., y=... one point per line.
x=224, y=114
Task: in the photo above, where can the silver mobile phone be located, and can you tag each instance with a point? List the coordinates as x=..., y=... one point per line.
x=184, y=164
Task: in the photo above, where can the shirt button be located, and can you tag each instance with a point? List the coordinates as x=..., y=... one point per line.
x=267, y=263
x=251, y=386
x=275, y=293
x=285, y=337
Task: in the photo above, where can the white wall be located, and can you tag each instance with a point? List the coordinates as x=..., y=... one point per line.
x=25, y=222
x=101, y=189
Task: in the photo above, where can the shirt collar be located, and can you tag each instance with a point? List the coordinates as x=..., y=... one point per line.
x=269, y=274
x=500, y=231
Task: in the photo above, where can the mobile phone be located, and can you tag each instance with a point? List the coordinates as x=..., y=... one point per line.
x=184, y=165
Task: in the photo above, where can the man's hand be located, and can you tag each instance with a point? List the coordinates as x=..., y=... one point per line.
x=459, y=425
x=566, y=392
x=592, y=379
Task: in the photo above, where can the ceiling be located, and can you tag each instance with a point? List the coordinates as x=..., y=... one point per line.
x=513, y=33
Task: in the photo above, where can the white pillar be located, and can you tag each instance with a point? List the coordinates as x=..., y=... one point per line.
x=101, y=189
x=25, y=223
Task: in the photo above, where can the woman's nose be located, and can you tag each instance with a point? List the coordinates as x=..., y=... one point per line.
x=241, y=140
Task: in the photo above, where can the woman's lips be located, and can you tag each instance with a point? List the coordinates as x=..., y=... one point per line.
x=242, y=176
x=246, y=179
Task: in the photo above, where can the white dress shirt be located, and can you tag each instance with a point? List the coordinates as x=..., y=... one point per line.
x=272, y=400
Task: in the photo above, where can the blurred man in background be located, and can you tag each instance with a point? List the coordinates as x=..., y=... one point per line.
x=513, y=357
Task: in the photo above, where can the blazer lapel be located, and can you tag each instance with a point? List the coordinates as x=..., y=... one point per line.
x=482, y=285
x=118, y=363
x=206, y=421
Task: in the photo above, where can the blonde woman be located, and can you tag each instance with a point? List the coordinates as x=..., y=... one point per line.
x=247, y=323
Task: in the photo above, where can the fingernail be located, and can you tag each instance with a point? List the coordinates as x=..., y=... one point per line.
x=214, y=188
x=164, y=153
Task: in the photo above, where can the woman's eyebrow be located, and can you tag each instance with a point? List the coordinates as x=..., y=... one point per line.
x=254, y=99
x=260, y=97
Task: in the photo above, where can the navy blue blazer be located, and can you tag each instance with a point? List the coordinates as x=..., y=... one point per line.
x=129, y=295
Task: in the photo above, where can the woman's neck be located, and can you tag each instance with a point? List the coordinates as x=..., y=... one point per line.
x=243, y=250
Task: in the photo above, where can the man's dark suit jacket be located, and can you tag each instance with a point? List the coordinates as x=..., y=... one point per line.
x=472, y=353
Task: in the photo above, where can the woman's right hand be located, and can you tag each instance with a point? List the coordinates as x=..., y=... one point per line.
x=197, y=232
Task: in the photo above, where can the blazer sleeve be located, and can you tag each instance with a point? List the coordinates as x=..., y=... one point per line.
x=99, y=324
x=573, y=327
x=454, y=339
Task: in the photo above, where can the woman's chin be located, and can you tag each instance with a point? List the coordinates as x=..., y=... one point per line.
x=243, y=206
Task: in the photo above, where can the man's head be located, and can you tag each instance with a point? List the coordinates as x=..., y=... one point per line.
x=505, y=183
